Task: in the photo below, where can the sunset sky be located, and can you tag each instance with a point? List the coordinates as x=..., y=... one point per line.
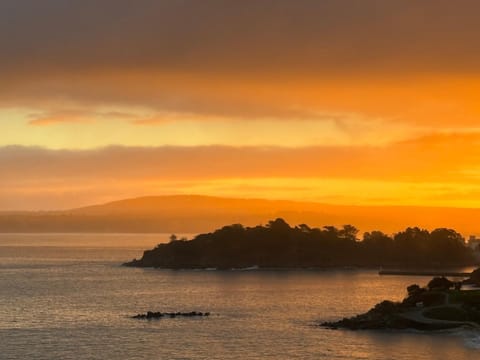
x=336, y=101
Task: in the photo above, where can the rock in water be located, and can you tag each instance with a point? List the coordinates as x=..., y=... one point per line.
x=158, y=315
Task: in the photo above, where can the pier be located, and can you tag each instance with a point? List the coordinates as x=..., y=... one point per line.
x=424, y=273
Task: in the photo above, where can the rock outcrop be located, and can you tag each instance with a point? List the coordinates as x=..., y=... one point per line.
x=158, y=315
x=433, y=308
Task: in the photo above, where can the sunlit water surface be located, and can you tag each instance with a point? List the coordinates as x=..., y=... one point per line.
x=67, y=297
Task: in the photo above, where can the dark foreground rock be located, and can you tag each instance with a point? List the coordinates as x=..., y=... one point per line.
x=159, y=315
x=383, y=315
x=389, y=315
x=436, y=307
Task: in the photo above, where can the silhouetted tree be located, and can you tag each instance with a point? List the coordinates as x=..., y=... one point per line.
x=348, y=232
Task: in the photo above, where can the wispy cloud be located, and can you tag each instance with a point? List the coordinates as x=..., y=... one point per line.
x=76, y=116
x=60, y=118
x=450, y=158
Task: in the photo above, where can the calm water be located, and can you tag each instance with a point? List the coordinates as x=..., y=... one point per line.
x=66, y=297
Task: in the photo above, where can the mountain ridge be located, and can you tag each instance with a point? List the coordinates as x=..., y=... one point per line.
x=197, y=213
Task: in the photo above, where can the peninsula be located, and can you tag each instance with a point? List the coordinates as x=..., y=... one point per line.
x=278, y=245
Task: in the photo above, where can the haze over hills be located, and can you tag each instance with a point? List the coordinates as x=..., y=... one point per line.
x=194, y=214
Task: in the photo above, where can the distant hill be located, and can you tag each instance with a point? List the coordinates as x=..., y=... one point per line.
x=193, y=214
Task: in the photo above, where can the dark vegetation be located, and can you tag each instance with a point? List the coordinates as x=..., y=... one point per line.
x=278, y=245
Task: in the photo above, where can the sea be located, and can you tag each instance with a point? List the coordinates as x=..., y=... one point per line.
x=66, y=296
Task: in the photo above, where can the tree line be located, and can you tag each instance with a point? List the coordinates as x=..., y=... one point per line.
x=277, y=244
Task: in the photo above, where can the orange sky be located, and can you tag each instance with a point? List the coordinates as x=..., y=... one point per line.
x=348, y=102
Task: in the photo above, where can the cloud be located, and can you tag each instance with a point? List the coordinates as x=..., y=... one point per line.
x=60, y=118
x=436, y=157
x=216, y=36
x=76, y=116
x=163, y=118
x=254, y=59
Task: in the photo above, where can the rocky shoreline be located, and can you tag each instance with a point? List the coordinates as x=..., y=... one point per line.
x=438, y=306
